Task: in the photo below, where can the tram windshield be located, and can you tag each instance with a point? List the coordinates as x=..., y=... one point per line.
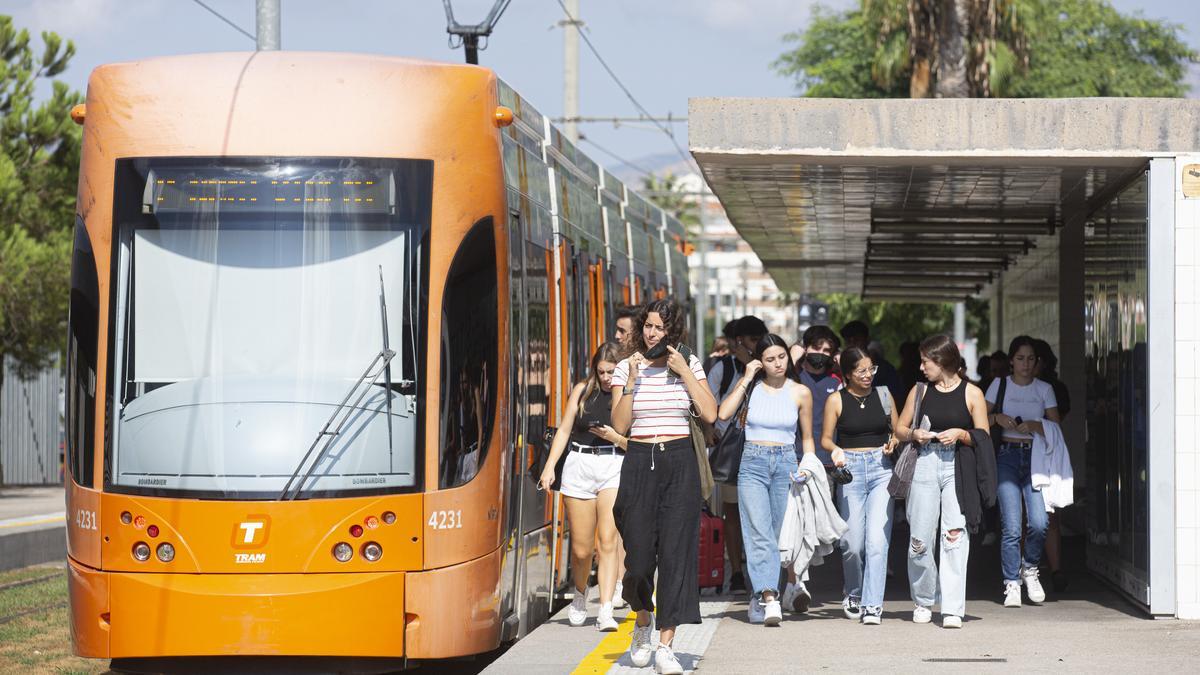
x=247, y=306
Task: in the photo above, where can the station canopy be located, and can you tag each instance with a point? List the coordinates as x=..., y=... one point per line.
x=921, y=200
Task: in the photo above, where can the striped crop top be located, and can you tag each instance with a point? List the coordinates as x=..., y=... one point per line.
x=661, y=403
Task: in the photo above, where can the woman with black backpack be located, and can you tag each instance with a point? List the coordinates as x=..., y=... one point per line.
x=862, y=417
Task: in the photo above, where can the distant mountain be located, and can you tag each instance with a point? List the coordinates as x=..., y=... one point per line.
x=659, y=164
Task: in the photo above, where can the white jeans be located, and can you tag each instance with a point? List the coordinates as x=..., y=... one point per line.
x=932, y=495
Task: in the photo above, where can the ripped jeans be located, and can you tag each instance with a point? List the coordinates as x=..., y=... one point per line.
x=932, y=498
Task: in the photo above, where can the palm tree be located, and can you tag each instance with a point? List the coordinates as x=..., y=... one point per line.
x=949, y=48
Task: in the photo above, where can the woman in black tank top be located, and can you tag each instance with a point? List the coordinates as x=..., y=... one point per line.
x=863, y=424
x=951, y=408
x=590, y=476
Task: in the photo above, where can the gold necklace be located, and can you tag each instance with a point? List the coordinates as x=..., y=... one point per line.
x=862, y=402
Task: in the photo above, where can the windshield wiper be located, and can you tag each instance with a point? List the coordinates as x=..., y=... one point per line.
x=380, y=365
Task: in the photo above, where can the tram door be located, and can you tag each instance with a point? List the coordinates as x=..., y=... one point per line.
x=511, y=607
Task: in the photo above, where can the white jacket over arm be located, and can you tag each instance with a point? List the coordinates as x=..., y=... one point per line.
x=811, y=525
x=1050, y=467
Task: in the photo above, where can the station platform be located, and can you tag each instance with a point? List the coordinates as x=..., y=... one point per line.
x=32, y=526
x=1087, y=628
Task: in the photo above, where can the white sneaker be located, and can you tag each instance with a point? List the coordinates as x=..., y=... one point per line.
x=951, y=621
x=922, y=614
x=577, y=612
x=640, y=649
x=617, y=601
x=665, y=662
x=772, y=613
x=1033, y=586
x=1012, y=594
x=757, y=613
x=851, y=608
x=605, y=623
x=796, y=598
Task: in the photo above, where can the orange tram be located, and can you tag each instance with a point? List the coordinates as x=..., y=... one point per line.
x=324, y=309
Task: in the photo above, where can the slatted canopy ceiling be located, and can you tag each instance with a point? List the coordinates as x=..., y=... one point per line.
x=917, y=199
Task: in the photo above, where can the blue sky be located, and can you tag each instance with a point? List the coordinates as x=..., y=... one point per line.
x=663, y=50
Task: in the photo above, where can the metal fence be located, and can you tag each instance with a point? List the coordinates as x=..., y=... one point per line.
x=30, y=430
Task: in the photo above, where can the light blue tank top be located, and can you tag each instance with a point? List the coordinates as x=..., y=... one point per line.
x=772, y=416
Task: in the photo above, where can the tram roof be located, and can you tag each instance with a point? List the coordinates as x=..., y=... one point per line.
x=848, y=195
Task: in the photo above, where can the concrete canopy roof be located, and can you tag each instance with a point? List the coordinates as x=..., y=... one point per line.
x=918, y=199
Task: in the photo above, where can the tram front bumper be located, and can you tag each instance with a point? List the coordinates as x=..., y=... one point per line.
x=148, y=615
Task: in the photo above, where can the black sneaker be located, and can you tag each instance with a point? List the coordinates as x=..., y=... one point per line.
x=1059, y=580
x=737, y=583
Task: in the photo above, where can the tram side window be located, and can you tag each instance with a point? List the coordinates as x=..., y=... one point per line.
x=81, y=359
x=470, y=345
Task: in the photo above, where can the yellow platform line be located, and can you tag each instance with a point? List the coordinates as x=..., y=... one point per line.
x=37, y=521
x=609, y=650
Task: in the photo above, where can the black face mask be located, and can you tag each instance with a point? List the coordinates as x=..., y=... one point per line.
x=818, y=361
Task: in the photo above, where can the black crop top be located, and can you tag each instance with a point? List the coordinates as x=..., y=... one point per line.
x=862, y=424
x=946, y=410
x=595, y=409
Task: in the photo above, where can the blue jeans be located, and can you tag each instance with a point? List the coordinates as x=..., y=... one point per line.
x=1012, y=485
x=763, y=485
x=866, y=506
x=931, y=498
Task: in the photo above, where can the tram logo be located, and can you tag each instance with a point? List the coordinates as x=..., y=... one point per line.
x=251, y=532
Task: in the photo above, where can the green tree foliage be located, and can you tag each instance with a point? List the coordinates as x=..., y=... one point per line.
x=1088, y=48
x=893, y=323
x=1035, y=49
x=668, y=194
x=39, y=160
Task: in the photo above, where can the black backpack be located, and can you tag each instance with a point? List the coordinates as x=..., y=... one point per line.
x=728, y=372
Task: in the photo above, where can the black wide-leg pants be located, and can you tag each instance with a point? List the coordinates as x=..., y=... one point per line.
x=657, y=512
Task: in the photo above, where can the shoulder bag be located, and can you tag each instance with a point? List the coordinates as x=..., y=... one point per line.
x=906, y=462
x=727, y=455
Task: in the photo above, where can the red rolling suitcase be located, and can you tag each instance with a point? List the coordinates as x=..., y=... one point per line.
x=712, y=551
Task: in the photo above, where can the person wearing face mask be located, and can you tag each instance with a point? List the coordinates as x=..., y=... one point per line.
x=1018, y=404
x=654, y=393
x=815, y=368
x=861, y=417
x=778, y=408
x=590, y=477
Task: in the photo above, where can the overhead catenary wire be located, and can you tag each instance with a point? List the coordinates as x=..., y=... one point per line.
x=222, y=17
x=641, y=171
x=628, y=94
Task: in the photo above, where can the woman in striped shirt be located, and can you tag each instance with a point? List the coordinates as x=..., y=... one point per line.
x=658, y=502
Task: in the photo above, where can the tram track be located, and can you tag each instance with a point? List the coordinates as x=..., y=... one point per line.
x=37, y=608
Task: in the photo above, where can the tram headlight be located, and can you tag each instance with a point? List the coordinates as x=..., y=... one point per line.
x=372, y=551
x=166, y=552
x=141, y=551
x=342, y=552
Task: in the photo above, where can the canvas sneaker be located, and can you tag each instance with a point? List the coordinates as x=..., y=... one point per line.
x=772, y=612
x=757, y=613
x=605, y=622
x=951, y=621
x=851, y=608
x=1033, y=586
x=640, y=649
x=922, y=614
x=872, y=616
x=1012, y=594
x=617, y=600
x=577, y=612
x=665, y=662
x=799, y=598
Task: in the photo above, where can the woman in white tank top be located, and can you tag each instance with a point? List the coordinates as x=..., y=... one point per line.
x=778, y=408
